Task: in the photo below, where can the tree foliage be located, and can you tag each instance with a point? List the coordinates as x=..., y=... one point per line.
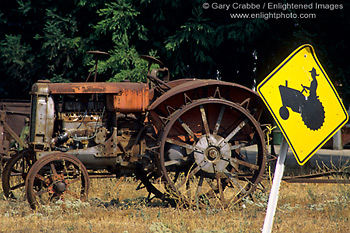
x=49, y=40
x=120, y=23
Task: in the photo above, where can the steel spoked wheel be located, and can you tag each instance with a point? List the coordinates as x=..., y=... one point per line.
x=15, y=173
x=201, y=153
x=57, y=177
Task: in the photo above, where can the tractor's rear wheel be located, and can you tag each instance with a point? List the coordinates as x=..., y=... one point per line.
x=201, y=153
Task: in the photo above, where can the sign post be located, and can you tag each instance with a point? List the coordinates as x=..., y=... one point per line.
x=305, y=106
x=273, y=198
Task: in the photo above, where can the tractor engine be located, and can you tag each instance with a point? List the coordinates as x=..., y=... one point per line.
x=100, y=123
x=80, y=124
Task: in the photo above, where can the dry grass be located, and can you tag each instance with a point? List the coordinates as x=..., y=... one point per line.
x=301, y=208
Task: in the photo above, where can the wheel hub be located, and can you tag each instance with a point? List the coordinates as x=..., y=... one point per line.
x=212, y=153
x=215, y=158
x=60, y=187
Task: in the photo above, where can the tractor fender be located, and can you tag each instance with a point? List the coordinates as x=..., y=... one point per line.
x=185, y=91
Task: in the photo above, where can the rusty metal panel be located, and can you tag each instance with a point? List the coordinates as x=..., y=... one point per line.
x=241, y=93
x=42, y=116
x=91, y=88
x=125, y=97
x=184, y=92
x=14, y=115
x=128, y=101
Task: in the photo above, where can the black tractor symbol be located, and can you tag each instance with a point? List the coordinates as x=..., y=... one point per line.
x=309, y=107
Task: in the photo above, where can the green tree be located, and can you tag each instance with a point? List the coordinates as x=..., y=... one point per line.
x=49, y=40
x=119, y=24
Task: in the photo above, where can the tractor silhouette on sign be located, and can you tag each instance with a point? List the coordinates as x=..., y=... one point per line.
x=309, y=107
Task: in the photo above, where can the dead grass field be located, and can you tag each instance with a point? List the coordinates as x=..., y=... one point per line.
x=301, y=208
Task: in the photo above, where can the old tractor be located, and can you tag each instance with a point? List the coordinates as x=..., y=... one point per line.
x=184, y=139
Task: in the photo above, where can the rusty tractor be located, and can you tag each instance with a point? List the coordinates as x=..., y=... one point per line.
x=183, y=139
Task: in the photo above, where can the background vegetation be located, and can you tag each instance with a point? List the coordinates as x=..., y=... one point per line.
x=49, y=40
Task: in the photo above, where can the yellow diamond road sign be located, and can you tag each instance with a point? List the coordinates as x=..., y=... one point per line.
x=303, y=102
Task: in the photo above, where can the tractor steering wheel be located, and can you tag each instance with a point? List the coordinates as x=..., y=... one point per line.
x=158, y=82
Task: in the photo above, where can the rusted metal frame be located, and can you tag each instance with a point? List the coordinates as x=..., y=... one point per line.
x=137, y=139
x=14, y=135
x=110, y=147
x=160, y=85
x=317, y=175
x=313, y=178
x=316, y=181
x=12, y=106
x=93, y=88
x=195, y=84
x=16, y=112
x=101, y=175
x=95, y=53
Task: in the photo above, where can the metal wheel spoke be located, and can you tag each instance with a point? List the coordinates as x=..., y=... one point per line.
x=233, y=133
x=172, y=162
x=175, y=161
x=185, y=145
x=211, y=193
x=15, y=172
x=18, y=186
x=244, y=163
x=41, y=192
x=199, y=187
x=53, y=168
x=72, y=194
x=40, y=177
x=65, y=171
x=72, y=181
x=234, y=181
x=239, y=146
x=209, y=181
x=177, y=174
x=52, y=196
x=188, y=188
x=218, y=121
x=189, y=176
x=187, y=129
x=204, y=119
x=220, y=188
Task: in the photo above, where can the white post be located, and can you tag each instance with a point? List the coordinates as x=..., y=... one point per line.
x=271, y=206
x=337, y=143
